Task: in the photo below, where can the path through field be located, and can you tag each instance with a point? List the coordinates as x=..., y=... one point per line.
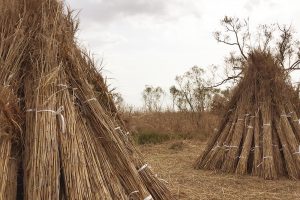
x=175, y=167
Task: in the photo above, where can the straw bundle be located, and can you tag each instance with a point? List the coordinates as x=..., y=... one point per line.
x=9, y=133
x=12, y=45
x=99, y=93
x=157, y=189
x=259, y=134
x=71, y=147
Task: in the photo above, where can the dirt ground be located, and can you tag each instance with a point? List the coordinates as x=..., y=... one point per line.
x=174, y=166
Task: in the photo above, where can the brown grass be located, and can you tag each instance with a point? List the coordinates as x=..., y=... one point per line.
x=186, y=125
x=175, y=167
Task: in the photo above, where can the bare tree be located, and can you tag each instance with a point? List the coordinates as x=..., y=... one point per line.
x=274, y=38
x=152, y=98
x=191, y=91
x=174, y=94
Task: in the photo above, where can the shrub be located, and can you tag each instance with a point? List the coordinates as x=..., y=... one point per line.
x=151, y=137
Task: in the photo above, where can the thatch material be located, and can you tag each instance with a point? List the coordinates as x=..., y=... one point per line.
x=10, y=134
x=74, y=144
x=259, y=134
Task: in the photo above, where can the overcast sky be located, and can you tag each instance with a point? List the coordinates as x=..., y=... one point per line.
x=149, y=42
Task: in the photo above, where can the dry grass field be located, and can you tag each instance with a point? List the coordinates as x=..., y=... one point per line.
x=173, y=160
x=184, y=125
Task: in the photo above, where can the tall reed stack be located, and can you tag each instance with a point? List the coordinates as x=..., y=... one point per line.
x=60, y=134
x=260, y=133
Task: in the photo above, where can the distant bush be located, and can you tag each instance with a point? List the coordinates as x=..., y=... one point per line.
x=150, y=137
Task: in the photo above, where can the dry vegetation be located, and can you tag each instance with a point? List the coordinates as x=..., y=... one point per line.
x=58, y=135
x=172, y=125
x=62, y=138
x=259, y=133
x=175, y=167
x=173, y=160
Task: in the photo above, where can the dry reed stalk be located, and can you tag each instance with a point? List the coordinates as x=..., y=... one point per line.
x=42, y=162
x=216, y=152
x=231, y=158
x=278, y=159
x=217, y=156
x=42, y=169
x=8, y=139
x=114, y=148
x=10, y=136
x=12, y=44
x=153, y=185
x=104, y=128
x=267, y=164
x=290, y=165
x=8, y=169
x=206, y=154
x=72, y=155
x=257, y=146
x=102, y=95
x=293, y=143
x=242, y=167
x=8, y=161
x=104, y=181
x=210, y=144
x=294, y=119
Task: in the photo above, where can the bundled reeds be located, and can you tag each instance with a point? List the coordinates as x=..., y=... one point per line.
x=60, y=136
x=10, y=134
x=12, y=45
x=259, y=133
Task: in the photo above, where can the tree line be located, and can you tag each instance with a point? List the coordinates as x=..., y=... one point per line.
x=191, y=92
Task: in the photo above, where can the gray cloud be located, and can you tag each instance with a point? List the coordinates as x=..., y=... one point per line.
x=108, y=10
x=251, y=4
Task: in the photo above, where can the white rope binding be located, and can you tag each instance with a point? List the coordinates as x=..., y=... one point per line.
x=267, y=124
x=264, y=159
x=281, y=149
x=285, y=115
x=62, y=85
x=92, y=99
x=215, y=147
x=143, y=167
x=253, y=148
x=149, y=198
x=226, y=146
x=134, y=192
x=58, y=113
x=240, y=157
x=298, y=151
